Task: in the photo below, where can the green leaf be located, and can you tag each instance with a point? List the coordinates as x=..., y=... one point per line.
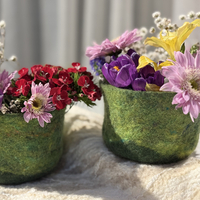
x=182, y=48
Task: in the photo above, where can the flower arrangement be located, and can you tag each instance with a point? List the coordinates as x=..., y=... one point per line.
x=44, y=89
x=126, y=63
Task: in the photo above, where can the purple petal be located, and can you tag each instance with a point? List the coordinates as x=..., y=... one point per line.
x=150, y=80
x=1, y=98
x=147, y=71
x=134, y=56
x=107, y=74
x=123, y=77
x=139, y=84
x=158, y=78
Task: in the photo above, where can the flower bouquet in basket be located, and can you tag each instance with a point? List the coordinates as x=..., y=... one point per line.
x=32, y=109
x=140, y=88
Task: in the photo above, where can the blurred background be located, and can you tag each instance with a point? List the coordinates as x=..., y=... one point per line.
x=57, y=32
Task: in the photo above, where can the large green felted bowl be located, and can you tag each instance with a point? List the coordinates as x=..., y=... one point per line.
x=28, y=151
x=145, y=127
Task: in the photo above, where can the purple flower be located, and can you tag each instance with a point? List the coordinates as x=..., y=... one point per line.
x=97, y=64
x=120, y=72
x=148, y=75
x=5, y=80
x=139, y=84
x=1, y=97
x=134, y=56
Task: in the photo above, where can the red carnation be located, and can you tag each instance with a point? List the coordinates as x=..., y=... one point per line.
x=95, y=94
x=22, y=87
x=87, y=84
x=43, y=74
x=60, y=98
x=36, y=68
x=55, y=69
x=23, y=74
x=77, y=68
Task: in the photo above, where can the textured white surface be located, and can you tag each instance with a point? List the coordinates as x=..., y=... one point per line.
x=89, y=171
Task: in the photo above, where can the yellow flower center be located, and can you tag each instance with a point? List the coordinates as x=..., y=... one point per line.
x=37, y=104
x=194, y=84
x=117, y=68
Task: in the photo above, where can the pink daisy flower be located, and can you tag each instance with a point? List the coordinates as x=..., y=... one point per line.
x=184, y=79
x=107, y=46
x=127, y=39
x=103, y=49
x=39, y=105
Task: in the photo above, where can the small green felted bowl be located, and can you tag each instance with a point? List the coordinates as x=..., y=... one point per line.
x=28, y=151
x=145, y=127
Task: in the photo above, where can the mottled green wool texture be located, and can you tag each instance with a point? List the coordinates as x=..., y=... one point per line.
x=145, y=127
x=28, y=151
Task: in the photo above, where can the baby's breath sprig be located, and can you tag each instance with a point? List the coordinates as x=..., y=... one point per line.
x=2, y=44
x=162, y=23
x=191, y=15
x=2, y=41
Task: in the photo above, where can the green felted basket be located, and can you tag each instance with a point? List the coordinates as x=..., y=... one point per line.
x=145, y=127
x=28, y=151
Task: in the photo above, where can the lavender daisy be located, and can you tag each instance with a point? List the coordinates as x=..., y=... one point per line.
x=108, y=47
x=5, y=80
x=184, y=79
x=39, y=105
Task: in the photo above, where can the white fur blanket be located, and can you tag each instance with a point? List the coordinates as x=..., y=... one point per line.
x=89, y=171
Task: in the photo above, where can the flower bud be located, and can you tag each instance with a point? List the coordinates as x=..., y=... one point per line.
x=2, y=24
x=13, y=58
x=156, y=14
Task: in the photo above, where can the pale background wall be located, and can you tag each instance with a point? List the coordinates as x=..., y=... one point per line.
x=58, y=31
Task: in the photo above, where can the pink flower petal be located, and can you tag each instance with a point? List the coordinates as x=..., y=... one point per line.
x=186, y=96
x=197, y=60
x=194, y=109
x=190, y=59
x=180, y=58
x=186, y=108
x=41, y=121
x=166, y=87
x=27, y=116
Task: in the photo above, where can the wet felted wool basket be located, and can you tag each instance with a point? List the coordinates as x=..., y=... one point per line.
x=145, y=127
x=28, y=151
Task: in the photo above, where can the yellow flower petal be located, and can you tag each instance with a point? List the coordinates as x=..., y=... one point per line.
x=184, y=31
x=143, y=61
x=163, y=64
x=152, y=87
x=172, y=41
